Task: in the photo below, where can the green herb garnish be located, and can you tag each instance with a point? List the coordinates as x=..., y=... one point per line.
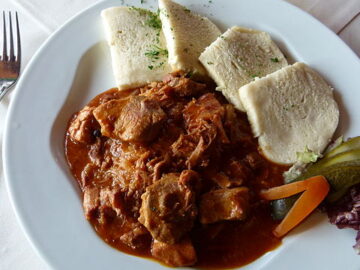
x=153, y=21
x=189, y=74
x=275, y=60
x=153, y=18
x=255, y=75
x=155, y=52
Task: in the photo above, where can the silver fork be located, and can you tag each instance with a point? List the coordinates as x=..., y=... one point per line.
x=10, y=61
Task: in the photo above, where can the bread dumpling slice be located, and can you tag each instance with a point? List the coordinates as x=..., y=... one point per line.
x=291, y=110
x=137, y=46
x=237, y=57
x=187, y=34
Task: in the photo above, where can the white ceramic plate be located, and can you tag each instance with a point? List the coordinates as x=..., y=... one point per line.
x=74, y=65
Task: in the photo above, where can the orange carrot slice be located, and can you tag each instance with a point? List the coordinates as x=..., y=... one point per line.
x=315, y=190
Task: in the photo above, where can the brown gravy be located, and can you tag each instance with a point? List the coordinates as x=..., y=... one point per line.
x=221, y=245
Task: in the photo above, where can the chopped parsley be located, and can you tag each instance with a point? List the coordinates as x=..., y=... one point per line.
x=153, y=21
x=152, y=54
x=140, y=10
x=288, y=107
x=210, y=63
x=255, y=75
x=275, y=60
x=190, y=74
x=164, y=12
x=156, y=52
x=153, y=18
x=187, y=10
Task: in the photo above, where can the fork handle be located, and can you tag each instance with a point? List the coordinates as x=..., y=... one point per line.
x=3, y=91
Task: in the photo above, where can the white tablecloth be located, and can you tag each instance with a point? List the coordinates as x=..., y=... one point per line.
x=39, y=18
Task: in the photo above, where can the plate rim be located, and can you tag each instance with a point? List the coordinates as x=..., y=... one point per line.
x=10, y=189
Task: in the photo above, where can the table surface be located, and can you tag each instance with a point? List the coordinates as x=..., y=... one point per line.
x=39, y=18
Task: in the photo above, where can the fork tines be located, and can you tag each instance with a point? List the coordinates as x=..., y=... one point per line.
x=10, y=55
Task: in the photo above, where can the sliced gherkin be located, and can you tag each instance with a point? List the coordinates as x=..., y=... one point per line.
x=349, y=156
x=341, y=167
x=340, y=175
x=351, y=144
x=281, y=207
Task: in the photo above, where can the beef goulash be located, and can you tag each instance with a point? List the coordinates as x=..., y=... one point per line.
x=171, y=171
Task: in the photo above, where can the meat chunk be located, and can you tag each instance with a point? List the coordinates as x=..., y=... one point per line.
x=82, y=128
x=233, y=173
x=102, y=204
x=96, y=154
x=237, y=125
x=184, y=86
x=238, y=172
x=222, y=180
x=140, y=120
x=191, y=179
x=91, y=201
x=137, y=119
x=224, y=204
x=107, y=114
x=183, y=146
x=179, y=254
x=168, y=209
x=87, y=175
x=254, y=160
x=204, y=112
x=137, y=237
x=203, y=120
x=198, y=154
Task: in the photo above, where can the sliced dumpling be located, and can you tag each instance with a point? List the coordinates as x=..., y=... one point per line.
x=137, y=46
x=187, y=34
x=237, y=57
x=291, y=110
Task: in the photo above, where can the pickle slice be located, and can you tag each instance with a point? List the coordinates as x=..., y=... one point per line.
x=351, y=144
x=282, y=206
x=341, y=176
x=349, y=156
x=341, y=167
